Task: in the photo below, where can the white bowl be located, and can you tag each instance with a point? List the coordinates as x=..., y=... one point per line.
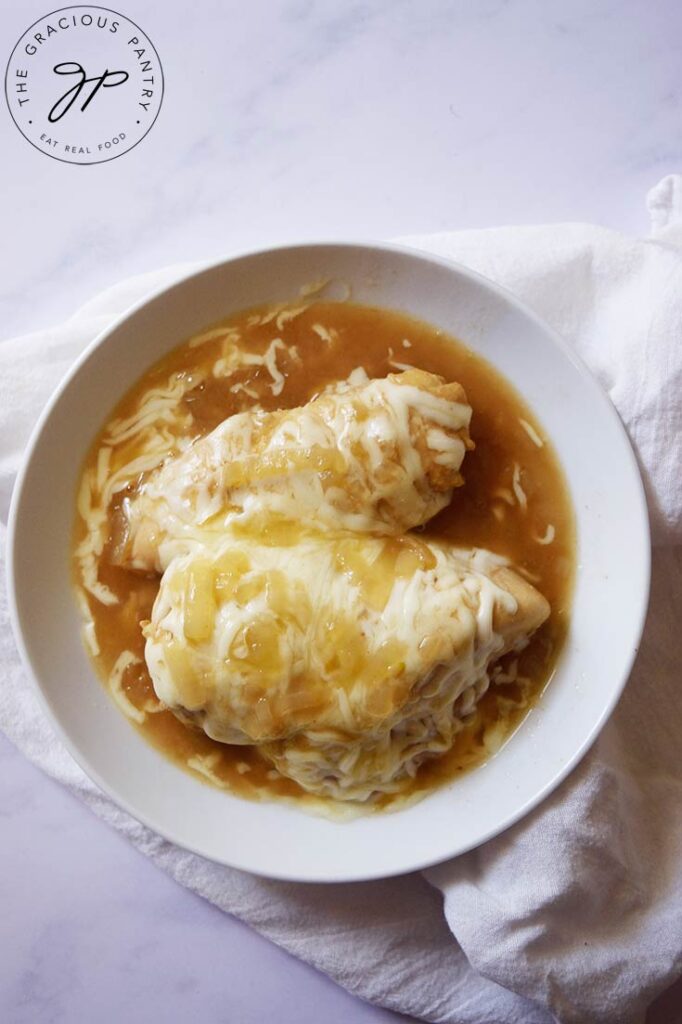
x=610, y=597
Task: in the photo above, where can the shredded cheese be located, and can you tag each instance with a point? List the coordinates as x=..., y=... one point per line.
x=88, y=628
x=103, y=463
x=157, y=405
x=328, y=335
x=401, y=366
x=267, y=318
x=313, y=287
x=122, y=664
x=236, y=358
x=88, y=563
x=270, y=362
x=217, y=332
x=204, y=764
x=286, y=315
x=532, y=432
x=548, y=536
x=239, y=386
x=519, y=492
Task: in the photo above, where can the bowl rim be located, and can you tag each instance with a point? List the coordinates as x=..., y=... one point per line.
x=640, y=531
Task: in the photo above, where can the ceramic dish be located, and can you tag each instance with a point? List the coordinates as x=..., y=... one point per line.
x=610, y=596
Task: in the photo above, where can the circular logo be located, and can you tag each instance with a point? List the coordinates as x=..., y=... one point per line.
x=84, y=84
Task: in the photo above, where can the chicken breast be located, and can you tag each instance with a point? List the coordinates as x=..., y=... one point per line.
x=381, y=456
x=345, y=658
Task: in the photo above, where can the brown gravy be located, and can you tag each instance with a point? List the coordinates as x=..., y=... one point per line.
x=485, y=512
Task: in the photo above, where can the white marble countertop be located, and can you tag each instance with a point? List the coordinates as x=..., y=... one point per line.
x=283, y=120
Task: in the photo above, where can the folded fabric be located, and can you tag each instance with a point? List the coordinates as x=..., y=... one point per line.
x=574, y=914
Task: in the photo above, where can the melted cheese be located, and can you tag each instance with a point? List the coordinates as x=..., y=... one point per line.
x=328, y=336
x=237, y=358
x=519, y=492
x=382, y=455
x=133, y=446
x=124, y=661
x=548, y=536
x=322, y=650
x=532, y=433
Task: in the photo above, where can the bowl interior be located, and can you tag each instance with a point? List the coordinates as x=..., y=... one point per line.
x=609, y=605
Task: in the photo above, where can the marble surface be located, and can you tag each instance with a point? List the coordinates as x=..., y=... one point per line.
x=283, y=120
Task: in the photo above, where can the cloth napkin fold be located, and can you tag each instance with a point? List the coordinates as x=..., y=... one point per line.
x=575, y=914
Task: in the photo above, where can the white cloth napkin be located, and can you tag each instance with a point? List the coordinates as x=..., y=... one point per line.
x=575, y=913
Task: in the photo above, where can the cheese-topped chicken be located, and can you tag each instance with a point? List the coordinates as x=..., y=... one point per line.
x=381, y=456
x=346, y=658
